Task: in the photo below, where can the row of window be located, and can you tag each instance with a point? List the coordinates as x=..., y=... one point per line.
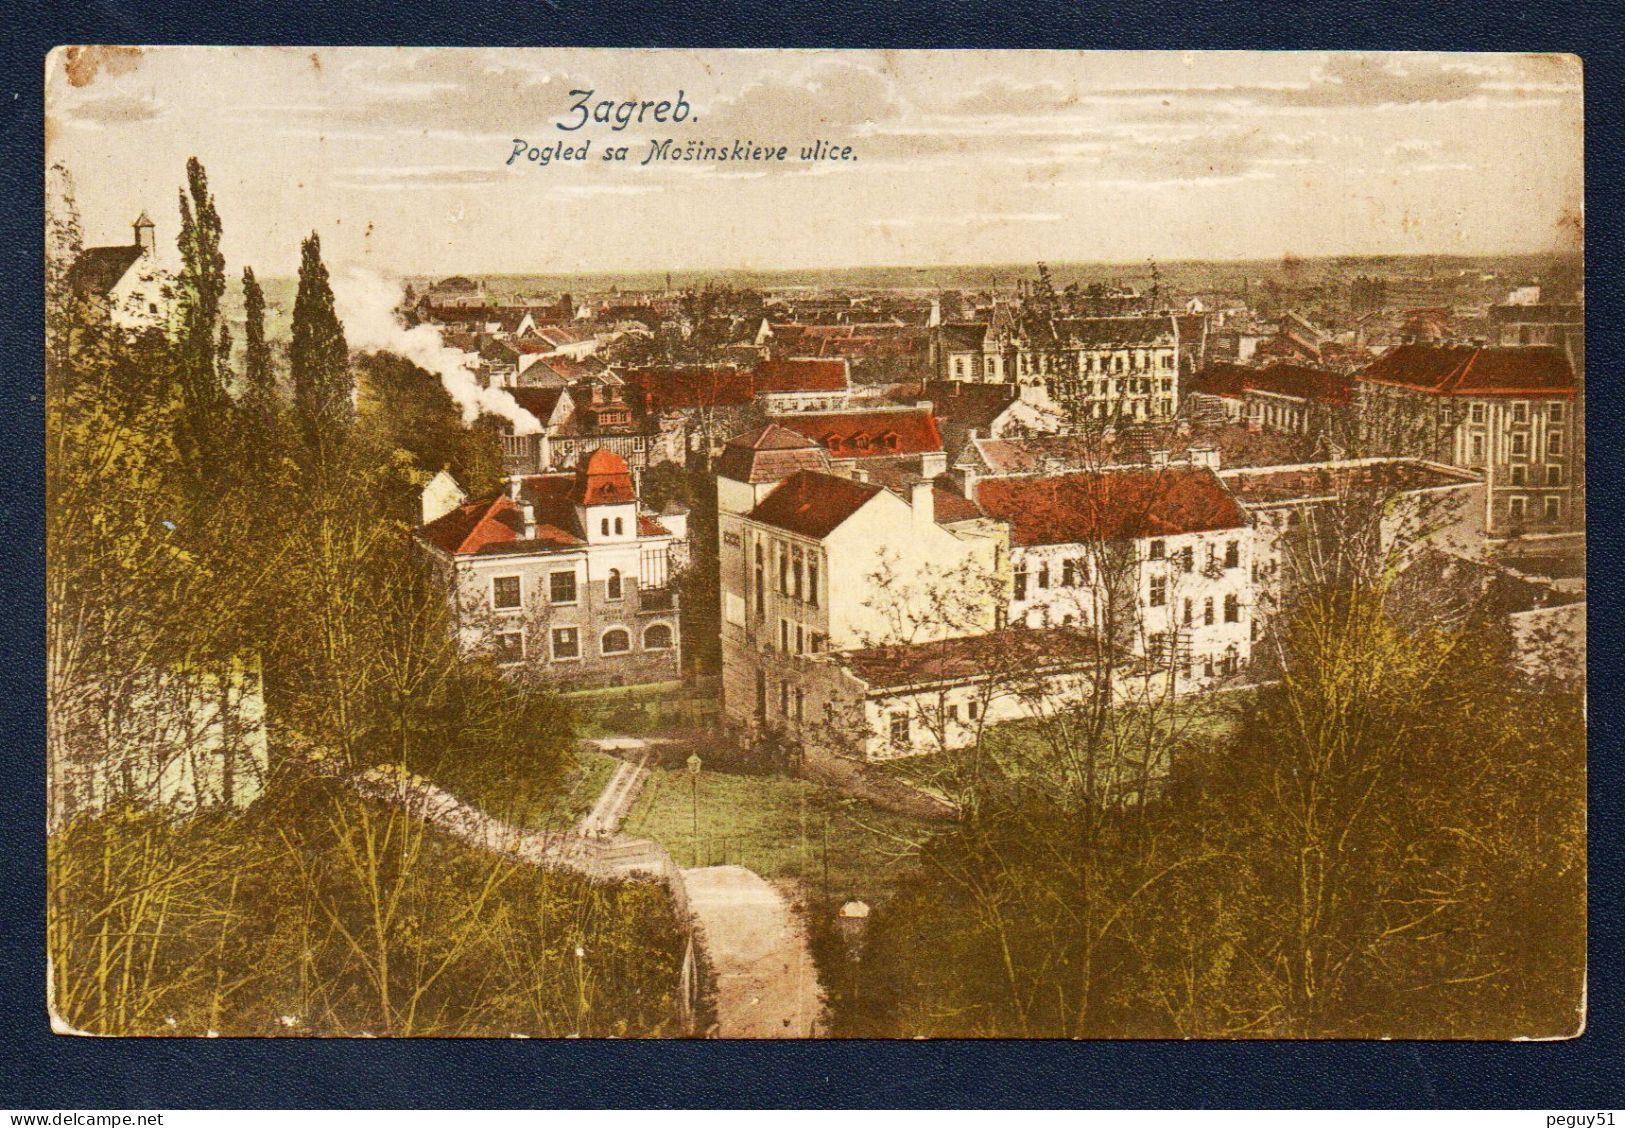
x=798, y=576
x=508, y=592
x=1232, y=604
x=901, y=725
x=805, y=640
x=1230, y=555
x=1518, y=508
x=1556, y=411
x=565, y=642
x=1519, y=445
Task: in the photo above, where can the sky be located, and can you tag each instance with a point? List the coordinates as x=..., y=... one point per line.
x=398, y=157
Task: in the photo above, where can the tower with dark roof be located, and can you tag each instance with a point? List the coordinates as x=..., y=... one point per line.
x=145, y=235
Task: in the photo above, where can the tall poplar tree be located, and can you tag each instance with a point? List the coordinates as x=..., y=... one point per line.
x=203, y=283
x=318, y=358
x=259, y=382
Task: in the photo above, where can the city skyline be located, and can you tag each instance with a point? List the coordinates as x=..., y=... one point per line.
x=1087, y=157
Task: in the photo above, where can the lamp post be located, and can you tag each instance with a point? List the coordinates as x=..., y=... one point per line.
x=694, y=765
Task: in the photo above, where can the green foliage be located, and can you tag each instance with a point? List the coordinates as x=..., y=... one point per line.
x=320, y=913
x=202, y=284
x=318, y=358
x=259, y=380
x=1388, y=842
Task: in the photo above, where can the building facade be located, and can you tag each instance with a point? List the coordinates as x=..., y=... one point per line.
x=564, y=578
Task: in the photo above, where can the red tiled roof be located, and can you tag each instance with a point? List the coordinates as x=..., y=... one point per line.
x=1302, y=381
x=539, y=402
x=1470, y=370
x=801, y=374
x=603, y=479
x=865, y=434
x=649, y=527
x=813, y=504
x=770, y=454
x=670, y=389
x=1110, y=505
x=1013, y=651
x=495, y=525
x=1267, y=486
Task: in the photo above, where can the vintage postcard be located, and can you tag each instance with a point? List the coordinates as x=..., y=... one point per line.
x=815, y=544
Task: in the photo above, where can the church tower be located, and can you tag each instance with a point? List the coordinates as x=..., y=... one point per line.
x=144, y=236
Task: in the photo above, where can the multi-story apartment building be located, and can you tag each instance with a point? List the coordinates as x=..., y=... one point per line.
x=1153, y=560
x=562, y=578
x=1102, y=368
x=1514, y=415
x=812, y=562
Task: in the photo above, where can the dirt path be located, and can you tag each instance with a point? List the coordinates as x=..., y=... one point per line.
x=766, y=983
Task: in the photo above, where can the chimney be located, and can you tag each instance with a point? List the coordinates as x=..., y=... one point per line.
x=1205, y=456
x=933, y=463
x=527, y=514
x=922, y=500
x=514, y=484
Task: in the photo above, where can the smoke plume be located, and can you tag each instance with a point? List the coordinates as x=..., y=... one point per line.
x=366, y=303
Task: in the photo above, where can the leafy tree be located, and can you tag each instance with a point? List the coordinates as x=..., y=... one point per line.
x=259, y=379
x=202, y=284
x=318, y=358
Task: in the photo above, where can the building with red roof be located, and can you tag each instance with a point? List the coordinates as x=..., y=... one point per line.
x=1154, y=558
x=803, y=383
x=1513, y=414
x=562, y=578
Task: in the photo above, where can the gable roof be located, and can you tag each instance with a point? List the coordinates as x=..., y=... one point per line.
x=1301, y=381
x=813, y=504
x=960, y=336
x=492, y=525
x=865, y=434
x=801, y=374
x=538, y=401
x=1110, y=505
x=98, y=269
x=1471, y=370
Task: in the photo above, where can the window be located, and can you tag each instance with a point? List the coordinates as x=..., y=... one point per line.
x=1520, y=444
x=1154, y=644
x=796, y=576
x=1554, y=411
x=761, y=585
x=1187, y=616
x=899, y=730
x=1207, y=611
x=1187, y=559
x=1554, y=475
x=657, y=637
x=761, y=695
x=1478, y=448
x=506, y=594
x=784, y=636
x=1520, y=475
x=817, y=643
x=801, y=640
x=1554, y=508
x=1069, y=573
x=1476, y=413
x=1043, y=574
x=973, y=709
x=1518, y=508
x=566, y=643
x=510, y=647
x=1159, y=550
x=618, y=528
x=1021, y=583
x=1520, y=412
x=1159, y=590
x=603, y=527
x=561, y=587
x=784, y=699
x=1207, y=667
x=812, y=581
x=1232, y=554
x=784, y=571
x=616, y=641
x=612, y=586
x=1232, y=609
x=1554, y=444
x=801, y=702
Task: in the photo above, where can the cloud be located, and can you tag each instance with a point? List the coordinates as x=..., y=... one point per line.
x=1008, y=98
x=116, y=109
x=828, y=100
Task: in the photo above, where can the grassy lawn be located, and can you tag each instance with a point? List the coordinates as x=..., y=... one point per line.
x=501, y=795
x=778, y=826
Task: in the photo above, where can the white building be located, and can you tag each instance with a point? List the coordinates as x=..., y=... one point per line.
x=132, y=285
x=812, y=562
x=563, y=578
x=1154, y=559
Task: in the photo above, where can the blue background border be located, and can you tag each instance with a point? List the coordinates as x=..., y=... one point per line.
x=39, y=1070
